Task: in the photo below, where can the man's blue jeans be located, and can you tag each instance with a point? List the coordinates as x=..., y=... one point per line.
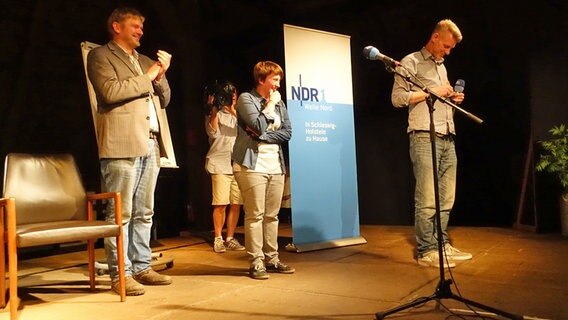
x=424, y=199
x=135, y=179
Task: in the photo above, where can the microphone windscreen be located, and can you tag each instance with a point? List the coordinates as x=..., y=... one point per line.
x=459, y=86
x=371, y=53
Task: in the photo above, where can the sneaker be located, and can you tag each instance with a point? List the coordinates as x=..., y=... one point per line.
x=280, y=268
x=151, y=277
x=431, y=259
x=219, y=245
x=455, y=254
x=258, y=272
x=133, y=288
x=234, y=245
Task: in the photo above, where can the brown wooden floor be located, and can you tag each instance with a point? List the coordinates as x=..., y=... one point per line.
x=517, y=272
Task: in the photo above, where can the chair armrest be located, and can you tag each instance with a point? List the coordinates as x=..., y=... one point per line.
x=7, y=222
x=101, y=196
x=105, y=195
x=7, y=208
x=4, y=201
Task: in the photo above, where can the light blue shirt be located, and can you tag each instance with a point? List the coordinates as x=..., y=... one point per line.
x=432, y=74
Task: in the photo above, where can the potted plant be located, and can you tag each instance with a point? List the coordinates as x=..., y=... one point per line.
x=554, y=159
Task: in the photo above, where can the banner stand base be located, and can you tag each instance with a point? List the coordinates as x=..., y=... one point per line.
x=304, y=247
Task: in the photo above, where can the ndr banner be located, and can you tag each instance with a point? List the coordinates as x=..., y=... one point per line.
x=323, y=170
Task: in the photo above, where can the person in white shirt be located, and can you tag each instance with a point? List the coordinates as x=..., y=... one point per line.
x=221, y=128
x=259, y=167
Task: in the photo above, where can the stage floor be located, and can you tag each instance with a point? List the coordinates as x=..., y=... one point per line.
x=514, y=271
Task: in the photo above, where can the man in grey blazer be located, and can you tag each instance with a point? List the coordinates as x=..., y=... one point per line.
x=130, y=88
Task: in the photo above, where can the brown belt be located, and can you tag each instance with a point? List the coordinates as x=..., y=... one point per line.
x=448, y=136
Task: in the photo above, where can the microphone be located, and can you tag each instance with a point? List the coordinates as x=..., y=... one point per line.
x=373, y=53
x=459, y=86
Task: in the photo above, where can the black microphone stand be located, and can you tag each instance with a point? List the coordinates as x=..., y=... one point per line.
x=443, y=290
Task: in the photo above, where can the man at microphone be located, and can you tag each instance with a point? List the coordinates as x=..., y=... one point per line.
x=427, y=65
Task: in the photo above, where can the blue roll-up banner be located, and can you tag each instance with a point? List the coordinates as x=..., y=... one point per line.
x=323, y=168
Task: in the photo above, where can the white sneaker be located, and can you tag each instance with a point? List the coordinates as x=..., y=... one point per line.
x=234, y=245
x=455, y=254
x=219, y=245
x=431, y=259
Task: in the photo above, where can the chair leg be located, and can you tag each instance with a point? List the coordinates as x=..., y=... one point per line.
x=13, y=296
x=120, y=258
x=91, y=253
x=2, y=260
x=13, y=270
x=120, y=245
x=2, y=275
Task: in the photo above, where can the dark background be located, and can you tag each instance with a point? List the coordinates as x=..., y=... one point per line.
x=513, y=58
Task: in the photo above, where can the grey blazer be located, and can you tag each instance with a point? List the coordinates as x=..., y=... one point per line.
x=123, y=117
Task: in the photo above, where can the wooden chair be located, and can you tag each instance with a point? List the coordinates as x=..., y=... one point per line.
x=45, y=203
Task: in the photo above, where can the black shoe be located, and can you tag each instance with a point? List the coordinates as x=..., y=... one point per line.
x=280, y=268
x=258, y=273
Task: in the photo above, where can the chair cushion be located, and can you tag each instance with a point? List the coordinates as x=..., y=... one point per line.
x=46, y=188
x=37, y=234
